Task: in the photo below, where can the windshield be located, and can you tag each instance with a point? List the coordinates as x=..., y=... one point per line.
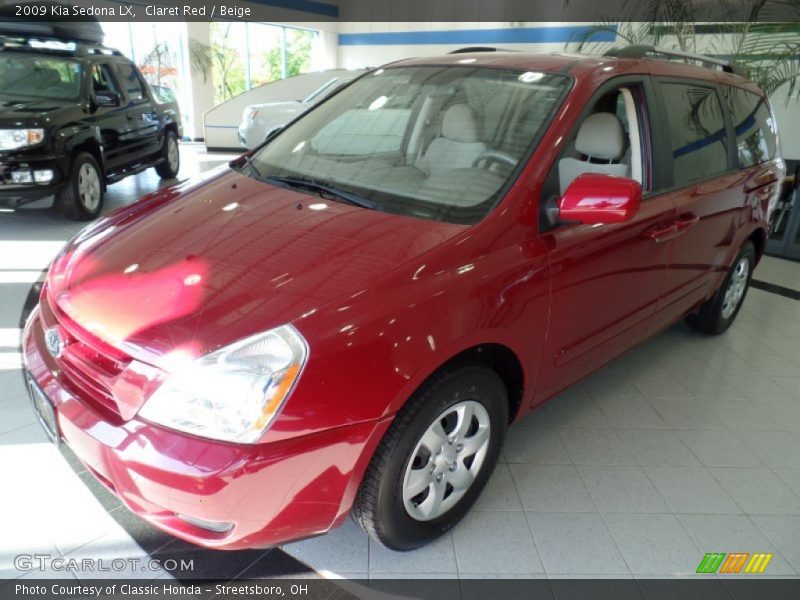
x=26, y=76
x=431, y=142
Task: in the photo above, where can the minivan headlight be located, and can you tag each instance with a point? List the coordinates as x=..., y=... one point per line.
x=232, y=394
x=11, y=139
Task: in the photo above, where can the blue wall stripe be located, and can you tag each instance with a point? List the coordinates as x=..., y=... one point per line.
x=516, y=35
x=308, y=6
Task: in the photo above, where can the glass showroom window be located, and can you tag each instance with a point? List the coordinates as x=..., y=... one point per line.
x=159, y=51
x=246, y=55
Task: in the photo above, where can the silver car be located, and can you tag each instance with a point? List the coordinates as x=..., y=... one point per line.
x=259, y=120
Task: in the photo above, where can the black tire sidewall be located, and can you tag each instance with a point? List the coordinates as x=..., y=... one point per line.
x=400, y=530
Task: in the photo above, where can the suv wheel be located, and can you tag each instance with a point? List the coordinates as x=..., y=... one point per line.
x=169, y=167
x=716, y=315
x=435, y=459
x=81, y=198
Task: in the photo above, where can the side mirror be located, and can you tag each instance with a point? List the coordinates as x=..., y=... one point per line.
x=593, y=198
x=107, y=98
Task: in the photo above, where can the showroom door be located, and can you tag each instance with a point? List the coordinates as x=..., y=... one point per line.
x=606, y=279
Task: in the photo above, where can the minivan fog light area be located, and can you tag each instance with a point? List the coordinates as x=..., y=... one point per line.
x=232, y=394
x=215, y=526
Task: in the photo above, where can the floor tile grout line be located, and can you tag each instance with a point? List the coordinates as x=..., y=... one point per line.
x=605, y=523
x=772, y=541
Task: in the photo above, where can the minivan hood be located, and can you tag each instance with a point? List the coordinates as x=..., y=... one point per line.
x=200, y=265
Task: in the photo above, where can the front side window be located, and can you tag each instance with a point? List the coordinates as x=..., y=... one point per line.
x=102, y=80
x=431, y=142
x=129, y=80
x=697, y=132
x=31, y=76
x=164, y=95
x=756, y=131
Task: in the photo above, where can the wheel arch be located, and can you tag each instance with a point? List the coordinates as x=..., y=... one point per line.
x=503, y=361
x=759, y=239
x=91, y=146
x=173, y=127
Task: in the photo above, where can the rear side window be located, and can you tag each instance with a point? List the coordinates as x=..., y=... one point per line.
x=129, y=80
x=755, y=127
x=697, y=132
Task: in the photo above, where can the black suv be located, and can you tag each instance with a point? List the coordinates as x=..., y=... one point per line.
x=76, y=116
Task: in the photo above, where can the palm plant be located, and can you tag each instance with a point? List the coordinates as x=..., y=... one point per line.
x=764, y=42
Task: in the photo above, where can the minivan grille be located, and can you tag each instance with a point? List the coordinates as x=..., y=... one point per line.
x=89, y=367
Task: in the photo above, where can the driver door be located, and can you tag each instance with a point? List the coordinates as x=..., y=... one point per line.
x=606, y=280
x=110, y=120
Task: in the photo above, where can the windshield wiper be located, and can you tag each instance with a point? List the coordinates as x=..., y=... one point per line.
x=325, y=190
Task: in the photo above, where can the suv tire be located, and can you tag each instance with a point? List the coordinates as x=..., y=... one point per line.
x=170, y=153
x=81, y=197
x=467, y=404
x=716, y=315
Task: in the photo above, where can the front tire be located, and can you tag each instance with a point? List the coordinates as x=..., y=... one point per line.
x=81, y=198
x=170, y=153
x=716, y=315
x=435, y=459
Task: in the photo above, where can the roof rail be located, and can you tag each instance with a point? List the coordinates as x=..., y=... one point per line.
x=85, y=49
x=55, y=45
x=640, y=51
x=474, y=49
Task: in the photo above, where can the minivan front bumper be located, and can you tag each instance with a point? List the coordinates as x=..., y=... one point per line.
x=213, y=494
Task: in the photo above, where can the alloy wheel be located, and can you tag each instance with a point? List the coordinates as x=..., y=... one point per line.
x=736, y=287
x=173, y=157
x=89, y=188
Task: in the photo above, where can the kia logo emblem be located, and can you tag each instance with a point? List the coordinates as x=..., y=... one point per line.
x=54, y=342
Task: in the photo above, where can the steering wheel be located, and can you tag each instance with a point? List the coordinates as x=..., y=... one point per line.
x=495, y=156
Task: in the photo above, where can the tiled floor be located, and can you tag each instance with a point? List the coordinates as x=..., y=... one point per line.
x=686, y=445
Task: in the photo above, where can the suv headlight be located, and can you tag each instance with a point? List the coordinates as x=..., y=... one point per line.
x=11, y=139
x=232, y=394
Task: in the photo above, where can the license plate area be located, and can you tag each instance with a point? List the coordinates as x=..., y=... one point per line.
x=44, y=410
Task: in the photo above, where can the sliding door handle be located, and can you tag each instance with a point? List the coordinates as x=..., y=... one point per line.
x=687, y=221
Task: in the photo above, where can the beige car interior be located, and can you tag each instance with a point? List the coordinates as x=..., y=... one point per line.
x=605, y=143
x=458, y=145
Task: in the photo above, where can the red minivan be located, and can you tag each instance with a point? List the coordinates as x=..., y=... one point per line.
x=346, y=319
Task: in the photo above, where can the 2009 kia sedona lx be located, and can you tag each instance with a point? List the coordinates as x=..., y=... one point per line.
x=347, y=318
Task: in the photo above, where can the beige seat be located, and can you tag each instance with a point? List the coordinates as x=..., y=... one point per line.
x=458, y=145
x=602, y=140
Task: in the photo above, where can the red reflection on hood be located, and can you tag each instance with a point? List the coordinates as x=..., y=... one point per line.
x=115, y=306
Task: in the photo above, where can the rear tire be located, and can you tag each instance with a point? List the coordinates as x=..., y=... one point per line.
x=81, y=198
x=435, y=458
x=170, y=152
x=716, y=315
